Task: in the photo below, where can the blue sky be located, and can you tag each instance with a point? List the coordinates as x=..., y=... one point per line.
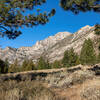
x=62, y=21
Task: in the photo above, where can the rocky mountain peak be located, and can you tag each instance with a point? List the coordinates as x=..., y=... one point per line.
x=53, y=46
x=57, y=37
x=86, y=27
x=10, y=48
x=62, y=35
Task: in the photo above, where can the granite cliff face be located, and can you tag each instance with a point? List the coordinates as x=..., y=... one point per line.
x=52, y=47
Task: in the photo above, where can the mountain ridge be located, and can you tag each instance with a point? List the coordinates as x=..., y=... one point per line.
x=52, y=47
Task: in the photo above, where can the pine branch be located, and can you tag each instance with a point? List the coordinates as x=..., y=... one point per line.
x=96, y=6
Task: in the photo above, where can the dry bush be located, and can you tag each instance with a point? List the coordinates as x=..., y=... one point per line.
x=91, y=93
x=26, y=90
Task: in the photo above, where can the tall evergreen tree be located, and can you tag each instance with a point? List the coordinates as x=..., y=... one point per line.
x=56, y=64
x=88, y=55
x=97, y=29
x=48, y=65
x=30, y=66
x=98, y=58
x=24, y=65
x=14, y=67
x=43, y=64
x=6, y=65
x=70, y=58
x=3, y=67
x=77, y=6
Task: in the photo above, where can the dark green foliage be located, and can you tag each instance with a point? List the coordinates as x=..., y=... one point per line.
x=97, y=29
x=43, y=64
x=87, y=55
x=77, y=6
x=6, y=62
x=24, y=65
x=15, y=14
x=28, y=65
x=6, y=66
x=15, y=67
x=3, y=67
x=98, y=58
x=56, y=64
x=99, y=47
x=70, y=58
x=97, y=32
x=48, y=65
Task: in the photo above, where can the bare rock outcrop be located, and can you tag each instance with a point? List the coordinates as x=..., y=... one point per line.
x=52, y=47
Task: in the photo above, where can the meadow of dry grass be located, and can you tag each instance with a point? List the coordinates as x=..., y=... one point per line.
x=27, y=90
x=76, y=83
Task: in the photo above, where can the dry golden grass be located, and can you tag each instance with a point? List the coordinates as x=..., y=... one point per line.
x=61, y=84
x=27, y=90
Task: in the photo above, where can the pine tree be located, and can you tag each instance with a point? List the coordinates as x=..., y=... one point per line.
x=97, y=29
x=6, y=65
x=14, y=67
x=56, y=64
x=30, y=66
x=48, y=65
x=77, y=6
x=15, y=14
x=3, y=67
x=11, y=68
x=98, y=58
x=88, y=55
x=43, y=64
x=65, y=59
x=25, y=65
x=70, y=58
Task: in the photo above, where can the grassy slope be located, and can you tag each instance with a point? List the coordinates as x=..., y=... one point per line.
x=76, y=83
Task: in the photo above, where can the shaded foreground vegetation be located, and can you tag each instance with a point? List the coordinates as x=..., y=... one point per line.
x=27, y=90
